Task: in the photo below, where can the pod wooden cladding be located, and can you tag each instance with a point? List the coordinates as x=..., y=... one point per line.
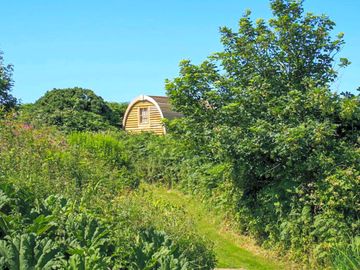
x=153, y=109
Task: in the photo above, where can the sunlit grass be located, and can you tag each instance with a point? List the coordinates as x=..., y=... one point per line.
x=228, y=251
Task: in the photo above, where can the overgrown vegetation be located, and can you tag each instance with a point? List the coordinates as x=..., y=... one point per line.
x=264, y=139
x=306, y=235
x=95, y=175
x=51, y=214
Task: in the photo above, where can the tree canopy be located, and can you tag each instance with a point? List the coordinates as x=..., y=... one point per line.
x=293, y=51
x=268, y=73
x=73, y=109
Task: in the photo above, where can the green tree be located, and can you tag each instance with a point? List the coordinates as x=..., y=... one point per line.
x=71, y=109
x=7, y=101
x=292, y=52
x=264, y=105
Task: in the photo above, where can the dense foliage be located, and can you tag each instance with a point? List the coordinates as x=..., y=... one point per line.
x=281, y=216
x=263, y=138
x=117, y=112
x=7, y=101
x=72, y=202
x=74, y=109
x=285, y=147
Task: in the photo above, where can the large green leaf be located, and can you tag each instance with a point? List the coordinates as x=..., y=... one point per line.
x=26, y=251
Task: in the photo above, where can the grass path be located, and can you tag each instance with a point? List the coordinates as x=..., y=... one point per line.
x=232, y=251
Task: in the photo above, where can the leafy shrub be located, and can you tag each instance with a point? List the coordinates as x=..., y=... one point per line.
x=27, y=251
x=155, y=250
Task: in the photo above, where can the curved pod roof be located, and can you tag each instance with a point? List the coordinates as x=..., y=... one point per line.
x=160, y=102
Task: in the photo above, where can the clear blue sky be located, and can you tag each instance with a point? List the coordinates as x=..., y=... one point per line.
x=123, y=48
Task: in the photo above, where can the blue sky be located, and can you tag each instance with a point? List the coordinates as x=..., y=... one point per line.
x=124, y=48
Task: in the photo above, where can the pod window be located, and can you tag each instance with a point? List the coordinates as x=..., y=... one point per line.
x=144, y=116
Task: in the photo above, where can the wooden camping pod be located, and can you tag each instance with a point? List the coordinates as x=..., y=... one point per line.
x=145, y=113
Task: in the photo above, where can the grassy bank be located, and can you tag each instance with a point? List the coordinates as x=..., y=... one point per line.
x=232, y=251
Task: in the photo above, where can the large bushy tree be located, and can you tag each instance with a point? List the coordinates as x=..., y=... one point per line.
x=264, y=105
x=7, y=101
x=71, y=109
